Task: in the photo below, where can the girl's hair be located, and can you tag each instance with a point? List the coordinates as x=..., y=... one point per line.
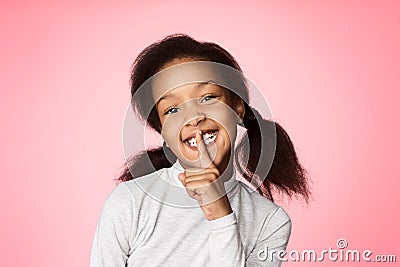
x=286, y=174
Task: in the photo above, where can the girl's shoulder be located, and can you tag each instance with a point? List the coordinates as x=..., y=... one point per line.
x=158, y=188
x=140, y=186
x=258, y=205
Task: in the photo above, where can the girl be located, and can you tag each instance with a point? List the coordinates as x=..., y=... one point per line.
x=150, y=218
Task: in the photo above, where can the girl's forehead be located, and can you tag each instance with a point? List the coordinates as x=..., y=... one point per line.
x=185, y=73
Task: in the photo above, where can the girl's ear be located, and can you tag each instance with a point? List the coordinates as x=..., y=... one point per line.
x=163, y=141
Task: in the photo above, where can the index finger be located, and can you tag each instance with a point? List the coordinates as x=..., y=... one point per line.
x=204, y=157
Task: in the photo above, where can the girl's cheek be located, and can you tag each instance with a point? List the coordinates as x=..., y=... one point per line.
x=172, y=128
x=224, y=115
x=174, y=121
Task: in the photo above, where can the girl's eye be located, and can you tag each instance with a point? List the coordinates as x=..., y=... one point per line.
x=171, y=110
x=208, y=98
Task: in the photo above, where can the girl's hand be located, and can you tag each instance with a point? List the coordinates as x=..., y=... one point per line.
x=204, y=185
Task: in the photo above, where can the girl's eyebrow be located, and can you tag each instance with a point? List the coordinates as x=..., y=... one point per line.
x=171, y=95
x=164, y=97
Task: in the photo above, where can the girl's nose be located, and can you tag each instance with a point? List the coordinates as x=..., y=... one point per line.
x=193, y=113
x=196, y=120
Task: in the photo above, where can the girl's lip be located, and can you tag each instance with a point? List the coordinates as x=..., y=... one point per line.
x=205, y=131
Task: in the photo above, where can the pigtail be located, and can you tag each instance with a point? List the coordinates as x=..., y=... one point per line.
x=146, y=162
x=272, y=166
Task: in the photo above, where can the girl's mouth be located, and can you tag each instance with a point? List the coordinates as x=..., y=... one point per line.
x=208, y=137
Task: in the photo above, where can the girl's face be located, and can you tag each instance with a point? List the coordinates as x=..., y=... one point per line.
x=195, y=106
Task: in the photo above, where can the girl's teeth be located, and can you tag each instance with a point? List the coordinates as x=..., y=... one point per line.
x=207, y=137
x=192, y=142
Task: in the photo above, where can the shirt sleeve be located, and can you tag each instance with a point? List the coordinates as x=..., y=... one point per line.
x=226, y=247
x=272, y=242
x=110, y=245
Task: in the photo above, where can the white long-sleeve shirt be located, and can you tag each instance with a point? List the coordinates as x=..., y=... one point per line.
x=151, y=221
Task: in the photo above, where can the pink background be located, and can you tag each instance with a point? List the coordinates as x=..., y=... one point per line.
x=330, y=71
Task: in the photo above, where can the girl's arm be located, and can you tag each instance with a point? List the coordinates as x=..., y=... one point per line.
x=111, y=240
x=226, y=248
x=273, y=239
